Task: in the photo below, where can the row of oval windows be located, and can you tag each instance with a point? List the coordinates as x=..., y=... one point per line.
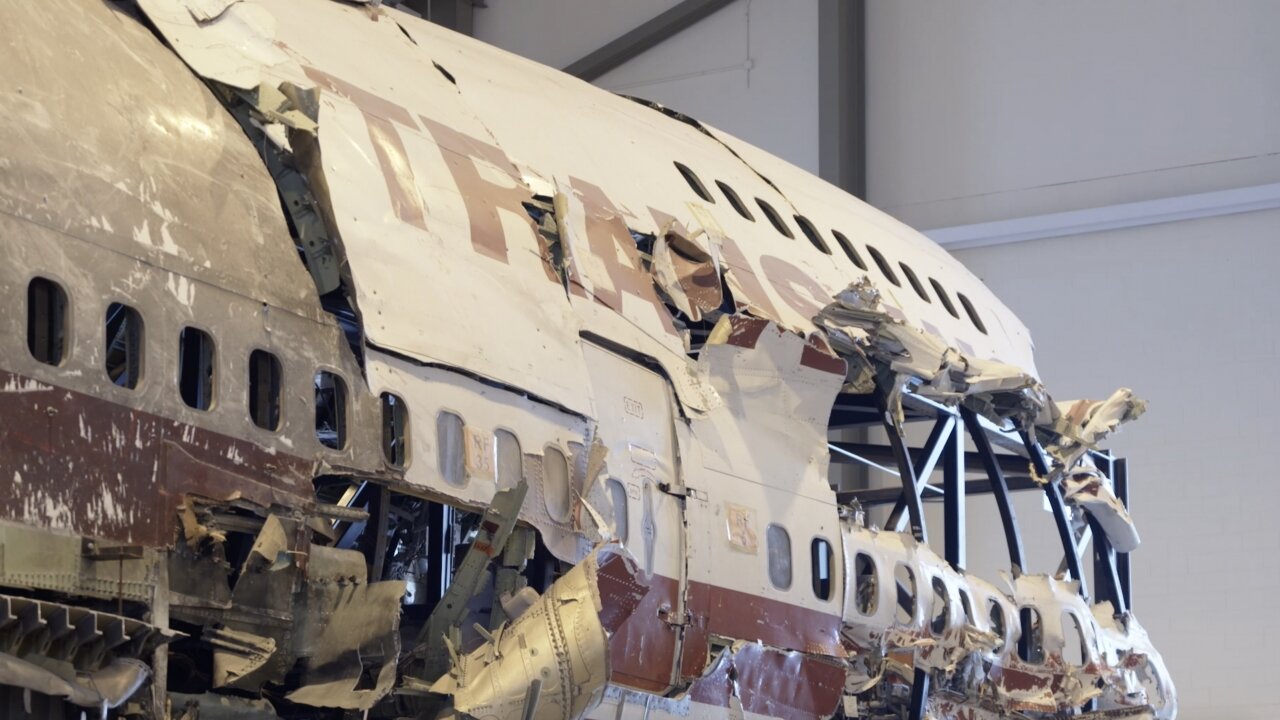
x=197, y=372
x=866, y=601
x=815, y=237
x=197, y=367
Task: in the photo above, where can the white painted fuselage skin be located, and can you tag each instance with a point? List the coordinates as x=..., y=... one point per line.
x=557, y=352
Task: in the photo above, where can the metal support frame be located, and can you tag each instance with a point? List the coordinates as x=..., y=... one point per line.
x=945, y=449
x=919, y=694
x=439, y=550
x=906, y=471
x=1066, y=535
x=1120, y=476
x=953, y=484
x=645, y=37
x=1110, y=568
x=1008, y=518
x=923, y=466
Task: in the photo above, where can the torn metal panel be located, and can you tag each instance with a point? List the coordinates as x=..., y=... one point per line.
x=103, y=689
x=1093, y=492
x=687, y=274
x=561, y=642
x=348, y=633
x=862, y=328
x=85, y=162
x=450, y=137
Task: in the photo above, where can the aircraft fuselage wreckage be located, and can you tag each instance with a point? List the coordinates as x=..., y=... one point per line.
x=368, y=371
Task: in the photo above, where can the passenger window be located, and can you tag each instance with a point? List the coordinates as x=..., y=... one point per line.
x=822, y=559
x=555, y=484
x=618, y=495
x=264, y=390
x=866, y=584
x=966, y=607
x=973, y=313
x=906, y=591
x=849, y=250
x=811, y=232
x=695, y=183
x=196, y=360
x=996, y=614
x=941, y=606
x=331, y=410
x=942, y=295
x=885, y=268
x=1031, y=644
x=508, y=463
x=1073, y=649
x=46, y=321
x=124, y=345
x=736, y=201
x=779, y=547
x=450, y=448
x=395, y=429
x=915, y=282
x=774, y=218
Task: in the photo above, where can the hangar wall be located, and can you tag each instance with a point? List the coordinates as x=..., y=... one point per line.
x=995, y=110
x=1185, y=314
x=751, y=68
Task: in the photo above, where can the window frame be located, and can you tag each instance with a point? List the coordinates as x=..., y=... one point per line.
x=64, y=318
x=141, y=341
x=279, y=390
x=344, y=411
x=215, y=387
x=972, y=312
x=873, y=595
x=939, y=589
x=941, y=292
x=624, y=532
x=849, y=250
x=735, y=200
x=886, y=269
x=775, y=219
x=810, y=231
x=914, y=281
x=695, y=183
x=832, y=572
x=458, y=463
x=406, y=429
x=497, y=457
x=914, y=594
x=769, y=556
x=568, y=485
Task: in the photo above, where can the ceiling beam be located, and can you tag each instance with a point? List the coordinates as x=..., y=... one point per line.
x=842, y=94
x=645, y=37
x=457, y=15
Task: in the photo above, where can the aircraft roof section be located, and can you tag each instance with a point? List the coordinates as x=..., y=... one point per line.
x=118, y=145
x=431, y=144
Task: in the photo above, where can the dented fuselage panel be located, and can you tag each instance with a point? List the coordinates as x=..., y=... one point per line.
x=292, y=323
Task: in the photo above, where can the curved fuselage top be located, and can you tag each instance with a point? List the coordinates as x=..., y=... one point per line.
x=432, y=145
